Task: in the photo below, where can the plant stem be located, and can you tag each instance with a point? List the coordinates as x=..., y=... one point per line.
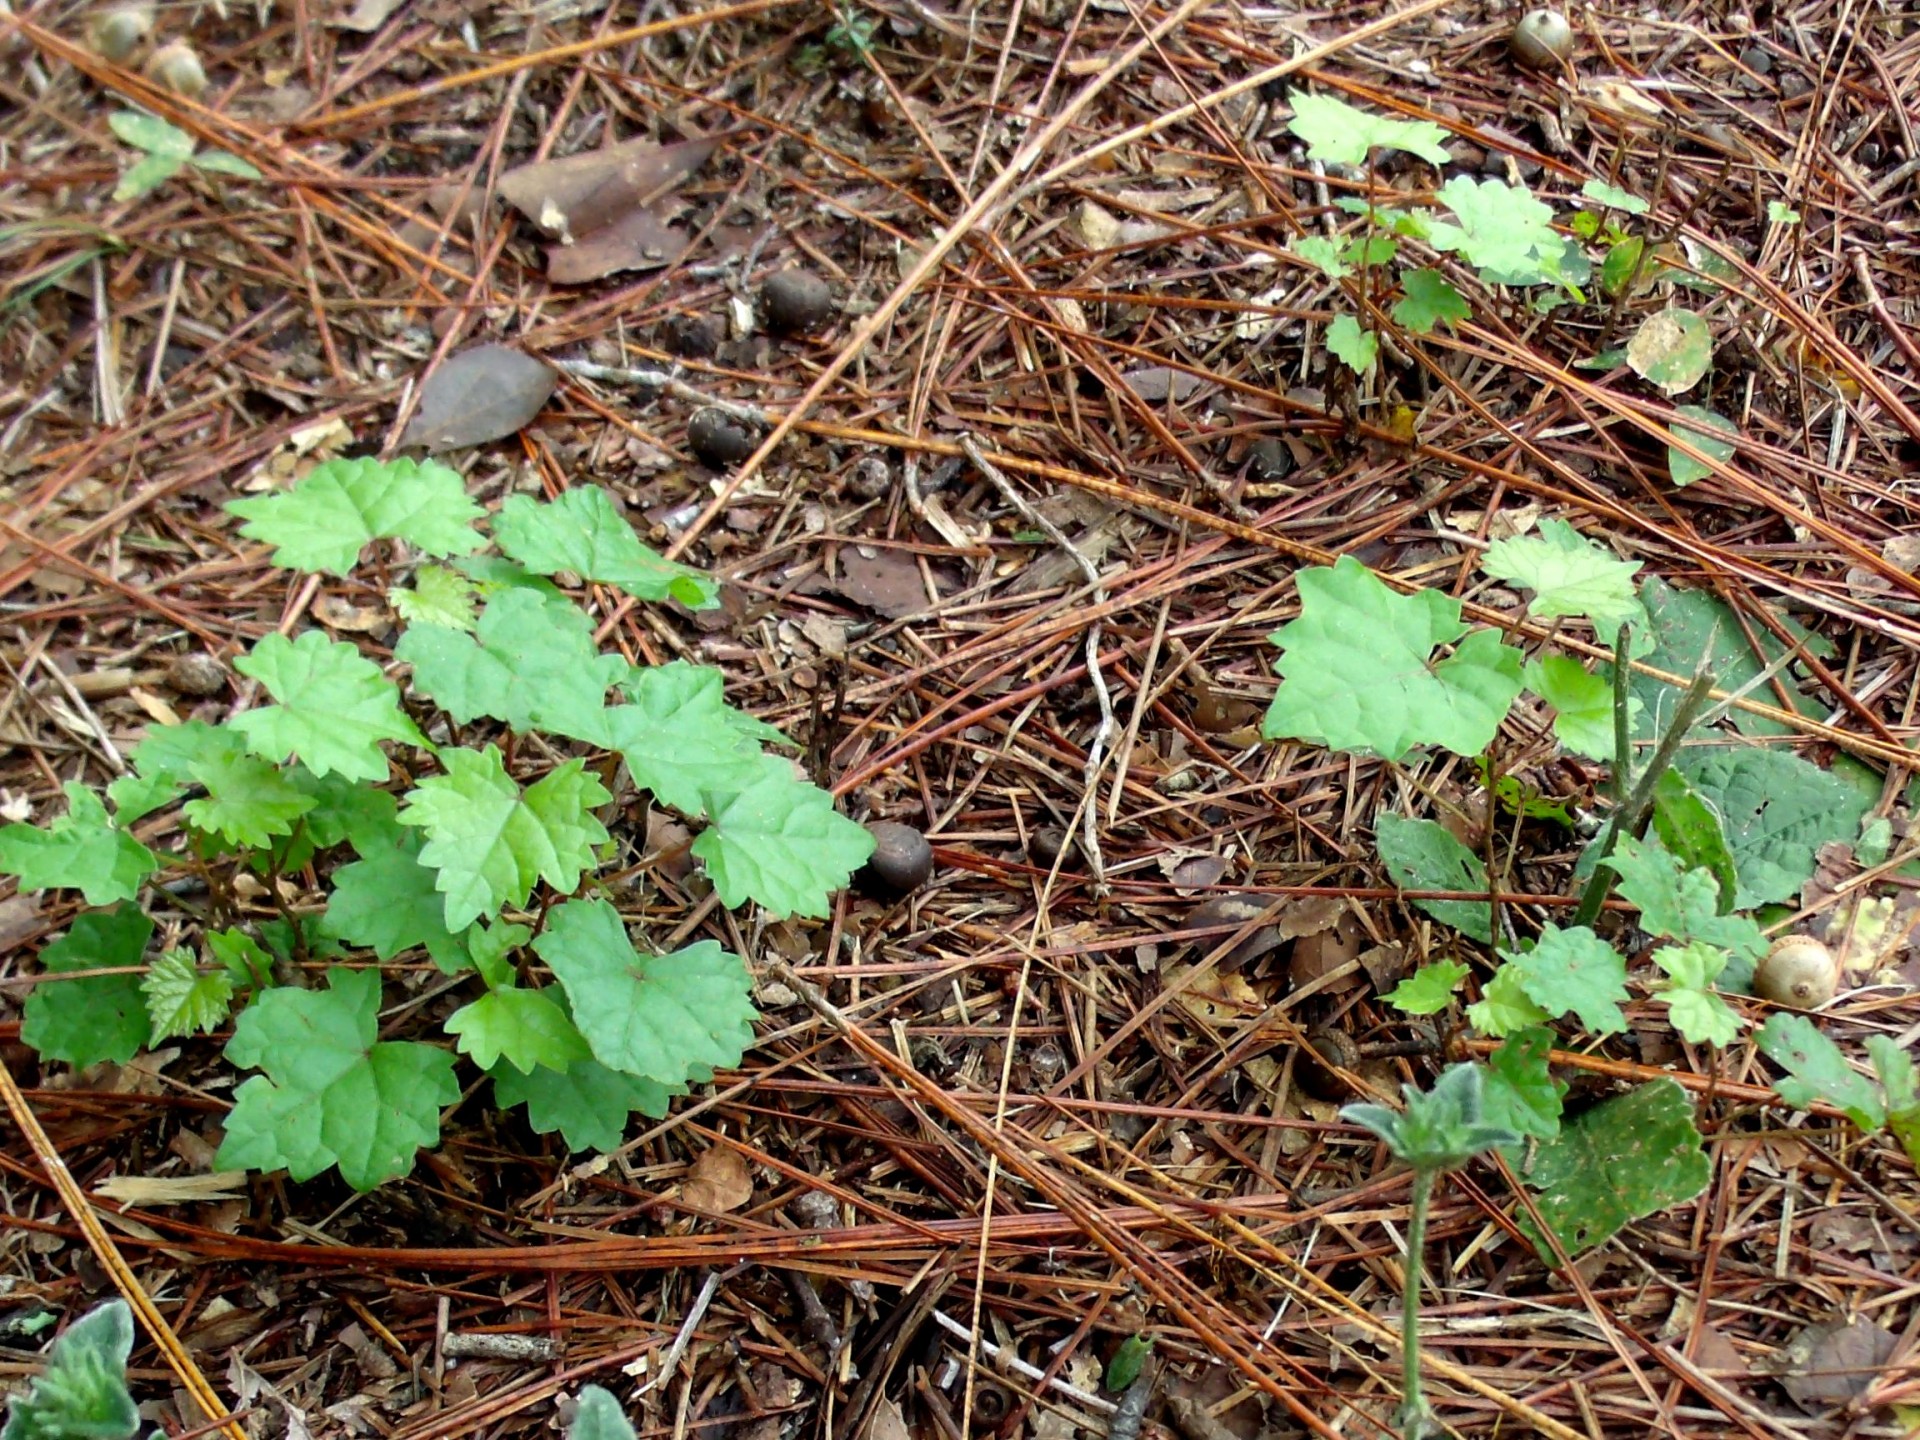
x=1416, y=1421
x=1622, y=721
x=1631, y=818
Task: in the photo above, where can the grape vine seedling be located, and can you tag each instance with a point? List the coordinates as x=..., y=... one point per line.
x=485, y=855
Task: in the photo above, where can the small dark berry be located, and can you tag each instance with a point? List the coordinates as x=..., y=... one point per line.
x=719, y=440
x=796, y=300
x=902, y=859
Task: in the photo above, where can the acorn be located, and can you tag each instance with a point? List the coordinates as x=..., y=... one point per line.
x=196, y=673
x=902, y=859
x=795, y=300
x=1315, y=1063
x=117, y=32
x=718, y=440
x=177, y=68
x=1798, y=971
x=1542, y=40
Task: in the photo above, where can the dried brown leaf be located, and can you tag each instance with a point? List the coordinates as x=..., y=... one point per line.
x=718, y=1182
x=600, y=205
x=481, y=394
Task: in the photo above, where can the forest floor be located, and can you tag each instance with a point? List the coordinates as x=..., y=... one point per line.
x=1022, y=1118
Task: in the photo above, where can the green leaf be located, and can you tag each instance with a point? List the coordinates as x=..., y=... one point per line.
x=83, y=850
x=346, y=809
x=1429, y=301
x=681, y=739
x=1337, y=133
x=1357, y=349
x=523, y=1027
x=1370, y=250
x=219, y=162
x=1706, y=436
x=489, y=841
x=588, y=1104
x=151, y=134
x=1569, y=575
x=1613, y=197
x=1781, y=213
x=335, y=707
x=146, y=175
x=584, y=532
x=1626, y=1158
x=333, y=1093
x=340, y=506
x=1521, y=1092
x=387, y=901
x=82, y=1394
x=1684, y=904
x=169, y=752
x=1440, y=1129
x=248, y=800
x=1893, y=1067
x=135, y=796
x=1693, y=630
x=1672, y=349
x=1573, y=971
x=439, y=597
x=1692, y=1007
x=1320, y=251
x=1424, y=855
x=599, y=1417
x=1690, y=830
x=1358, y=671
x=1128, y=1358
x=1429, y=990
x=1582, y=704
x=492, y=948
x=1502, y=229
x=1817, y=1071
x=246, y=964
x=533, y=665
x=1504, y=1007
x=100, y=1017
x=1624, y=266
x=779, y=841
x=1778, y=811
x=181, y=1000
x=667, y=1018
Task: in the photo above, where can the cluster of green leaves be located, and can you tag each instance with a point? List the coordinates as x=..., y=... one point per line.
x=1509, y=237
x=1731, y=829
x=82, y=1394
x=166, y=151
x=448, y=862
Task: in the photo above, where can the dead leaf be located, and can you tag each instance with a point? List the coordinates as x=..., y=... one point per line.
x=1212, y=996
x=1189, y=870
x=368, y=15
x=888, y=1423
x=1827, y=1366
x=600, y=205
x=1155, y=383
x=145, y=1192
x=483, y=393
x=718, y=1182
x=337, y=613
x=887, y=582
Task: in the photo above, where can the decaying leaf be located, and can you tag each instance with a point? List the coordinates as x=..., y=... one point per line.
x=601, y=205
x=885, y=581
x=481, y=394
x=1826, y=1366
x=719, y=1181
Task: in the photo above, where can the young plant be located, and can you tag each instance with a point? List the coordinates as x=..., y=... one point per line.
x=167, y=150
x=1439, y=1130
x=82, y=1394
x=480, y=857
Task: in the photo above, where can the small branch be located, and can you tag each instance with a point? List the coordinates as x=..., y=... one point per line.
x=1097, y=750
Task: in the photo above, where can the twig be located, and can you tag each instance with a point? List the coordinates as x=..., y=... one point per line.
x=1020, y=1367
x=1097, y=749
x=695, y=1314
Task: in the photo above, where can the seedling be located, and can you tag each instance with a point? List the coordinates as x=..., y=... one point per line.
x=1439, y=1130
x=168, y=150
x=449, y=863
x=82, y=1394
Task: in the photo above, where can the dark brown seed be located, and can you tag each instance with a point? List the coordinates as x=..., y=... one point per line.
x=1046, y=845
x=196, y=673
x=719, y=440
x=796, y=300
x=1314, y=1065
x=902, y=859
x=1268, y=460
